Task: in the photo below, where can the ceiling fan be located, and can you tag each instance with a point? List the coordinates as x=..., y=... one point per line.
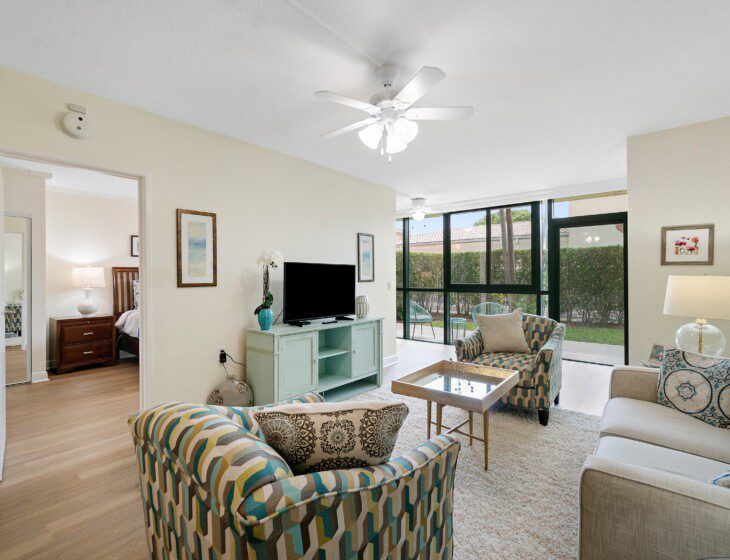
x=391, y=124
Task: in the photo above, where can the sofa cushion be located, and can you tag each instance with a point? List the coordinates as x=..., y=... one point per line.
x=696, y=385
x=642, y=454
x=666, y=427
x=325, y=436
x=510, y=360
x=503, y=333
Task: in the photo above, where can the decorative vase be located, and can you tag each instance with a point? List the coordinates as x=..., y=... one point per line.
x=266, y=317
x=362, y=307
x=231, y=392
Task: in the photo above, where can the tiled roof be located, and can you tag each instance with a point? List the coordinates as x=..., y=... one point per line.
x=473, y=233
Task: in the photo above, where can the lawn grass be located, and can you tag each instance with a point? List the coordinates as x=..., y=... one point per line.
x=600, y=335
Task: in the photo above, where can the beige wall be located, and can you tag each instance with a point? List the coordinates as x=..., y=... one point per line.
x=263, y=200
x=80, y=230
x=676, y=177
x=25, y=194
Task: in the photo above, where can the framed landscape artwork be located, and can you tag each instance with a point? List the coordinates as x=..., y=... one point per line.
x=197, y=252
x=688, y=244
x=134, y=249
x=365, y=257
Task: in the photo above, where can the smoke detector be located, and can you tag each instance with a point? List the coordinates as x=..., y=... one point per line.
x=76, y=123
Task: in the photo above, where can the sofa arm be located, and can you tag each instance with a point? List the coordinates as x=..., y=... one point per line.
x=628, y=511
x=633, y=382
x=433, y=462
x=469, y=347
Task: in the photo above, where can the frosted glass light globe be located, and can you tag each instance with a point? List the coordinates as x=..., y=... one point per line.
x=393, y=145
x=688, y=339
x=404, y=130
x=371, y=135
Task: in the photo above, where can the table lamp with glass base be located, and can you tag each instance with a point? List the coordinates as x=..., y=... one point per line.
x=705, y=296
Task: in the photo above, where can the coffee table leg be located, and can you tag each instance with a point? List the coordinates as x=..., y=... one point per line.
x=428, y=418
x=471, y=428
x=485, y=418
x=439, y=410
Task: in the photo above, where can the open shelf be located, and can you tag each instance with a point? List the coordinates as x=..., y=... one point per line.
x=328, y=382
x=328, y=352
x=352, y=388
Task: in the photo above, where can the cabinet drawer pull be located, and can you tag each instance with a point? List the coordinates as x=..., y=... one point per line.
x=89, y=352
x=88, y=333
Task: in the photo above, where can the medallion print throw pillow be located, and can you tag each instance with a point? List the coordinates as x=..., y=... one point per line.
x=696, y=385
x=325, y=436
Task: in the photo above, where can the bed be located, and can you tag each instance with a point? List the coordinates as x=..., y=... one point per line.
x=126, y=313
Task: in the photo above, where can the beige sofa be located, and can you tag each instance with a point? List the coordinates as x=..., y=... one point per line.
x=645, y=492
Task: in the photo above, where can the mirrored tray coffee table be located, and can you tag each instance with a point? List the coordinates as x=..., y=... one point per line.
x=470, y=387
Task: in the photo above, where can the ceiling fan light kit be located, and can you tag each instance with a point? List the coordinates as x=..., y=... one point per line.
x=419, y=209
x=391, y=127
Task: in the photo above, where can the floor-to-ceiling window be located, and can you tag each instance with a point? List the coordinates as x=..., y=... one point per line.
x=452, y=266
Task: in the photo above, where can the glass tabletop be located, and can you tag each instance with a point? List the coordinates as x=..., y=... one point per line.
x=467, y=385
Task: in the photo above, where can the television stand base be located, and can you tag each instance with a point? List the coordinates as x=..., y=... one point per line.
x=299, y=323
x=344, y=318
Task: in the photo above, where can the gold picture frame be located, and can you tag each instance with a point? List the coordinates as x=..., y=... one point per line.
x=688, y=245
x=197, y=249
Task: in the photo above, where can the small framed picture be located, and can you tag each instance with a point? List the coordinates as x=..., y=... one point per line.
x=657, y=353
x=134, y=246
x=688, y=244
x=197, y=251
x=365, y=257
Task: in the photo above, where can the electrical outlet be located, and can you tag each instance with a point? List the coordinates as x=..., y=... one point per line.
x=222, y=356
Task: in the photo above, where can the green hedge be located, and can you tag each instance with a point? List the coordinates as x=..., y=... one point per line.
x=583, y=298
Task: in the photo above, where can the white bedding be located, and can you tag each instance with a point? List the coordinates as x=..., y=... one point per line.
x=128, y=322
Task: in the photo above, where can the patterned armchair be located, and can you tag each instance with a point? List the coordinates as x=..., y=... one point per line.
x=540, y=370
x=213, y=489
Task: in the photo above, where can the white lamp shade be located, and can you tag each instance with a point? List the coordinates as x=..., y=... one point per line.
x=404, y=130
x=372, y=134
x=88, y=277
x=705, y=297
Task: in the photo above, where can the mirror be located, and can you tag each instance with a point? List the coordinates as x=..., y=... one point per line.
x=17, y=300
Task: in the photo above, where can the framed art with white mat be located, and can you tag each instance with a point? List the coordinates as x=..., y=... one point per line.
x=197, y=252
x=365, y=257
x=688, y=244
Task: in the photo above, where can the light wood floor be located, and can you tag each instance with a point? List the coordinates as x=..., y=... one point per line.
x=69, y=488
x=16, y=365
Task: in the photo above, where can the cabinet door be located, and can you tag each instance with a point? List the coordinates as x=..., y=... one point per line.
x=297, y=364
x=365, y=349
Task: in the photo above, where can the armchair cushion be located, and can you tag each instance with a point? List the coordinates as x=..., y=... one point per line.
x=324, y=436
x=503, y=333
x=510, y=360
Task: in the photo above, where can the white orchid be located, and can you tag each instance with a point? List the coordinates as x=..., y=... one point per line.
x=274, y=259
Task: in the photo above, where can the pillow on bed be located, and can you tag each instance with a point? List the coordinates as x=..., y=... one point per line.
x=135, y=293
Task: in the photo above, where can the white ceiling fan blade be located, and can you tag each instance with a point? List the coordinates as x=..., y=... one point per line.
x=438, y=113
x=342, y=100
x=426, y=78
x=350, y=128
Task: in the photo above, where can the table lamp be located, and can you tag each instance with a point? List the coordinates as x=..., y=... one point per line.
x=704, y=297
x=87, y=278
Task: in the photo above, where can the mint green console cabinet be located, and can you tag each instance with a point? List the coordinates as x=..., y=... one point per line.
x=339, y=360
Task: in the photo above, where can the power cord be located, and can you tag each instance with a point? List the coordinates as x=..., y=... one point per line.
x=224, y=353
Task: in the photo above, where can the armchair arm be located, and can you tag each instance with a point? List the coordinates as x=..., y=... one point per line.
x=548, y=370
x=633, y=382
x=434, y=461
x=619, y=505
x=469, y=347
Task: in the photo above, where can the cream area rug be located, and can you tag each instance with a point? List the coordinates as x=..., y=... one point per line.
x=526, y=505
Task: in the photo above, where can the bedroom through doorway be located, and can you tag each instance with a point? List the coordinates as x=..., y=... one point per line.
x=72, y=293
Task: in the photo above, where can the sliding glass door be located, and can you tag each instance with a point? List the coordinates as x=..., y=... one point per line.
x=588, y=286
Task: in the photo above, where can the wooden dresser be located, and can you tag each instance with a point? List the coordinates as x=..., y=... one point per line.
x=82, y=341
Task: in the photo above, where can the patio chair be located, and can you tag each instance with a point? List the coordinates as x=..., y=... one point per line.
x=487, y=308
x=419, y=316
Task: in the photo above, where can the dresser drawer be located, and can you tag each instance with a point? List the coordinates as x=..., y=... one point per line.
x=89, y=352
x=71, y=334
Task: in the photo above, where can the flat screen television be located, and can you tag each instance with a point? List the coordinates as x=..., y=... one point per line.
x=317, y=291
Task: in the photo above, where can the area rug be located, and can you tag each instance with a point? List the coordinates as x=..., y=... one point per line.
x=526, y=505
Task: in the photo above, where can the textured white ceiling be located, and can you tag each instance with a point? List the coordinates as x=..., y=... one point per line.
x=557, y=86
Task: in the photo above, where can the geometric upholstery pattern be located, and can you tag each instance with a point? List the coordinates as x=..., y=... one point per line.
x=207, y=495
x=540, y=372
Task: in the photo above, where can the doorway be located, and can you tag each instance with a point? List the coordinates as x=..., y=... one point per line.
x=588, y=286
x=17, y=299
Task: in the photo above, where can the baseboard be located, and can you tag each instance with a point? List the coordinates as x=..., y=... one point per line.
x=390, y=360
x=39, y=376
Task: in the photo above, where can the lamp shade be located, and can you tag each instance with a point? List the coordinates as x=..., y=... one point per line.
x=705, y=297
x=88, y=277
